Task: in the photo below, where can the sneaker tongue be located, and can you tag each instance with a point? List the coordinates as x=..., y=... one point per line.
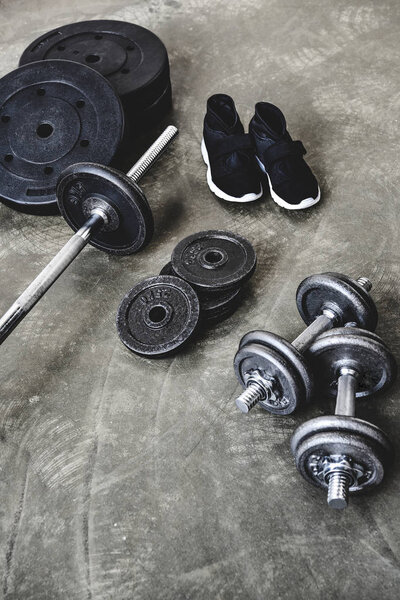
x=219, y=124
x=270, y=133
x=272, y=122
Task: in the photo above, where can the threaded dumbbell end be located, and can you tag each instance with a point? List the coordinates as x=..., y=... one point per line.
x=150, y=156
x=250, y=396
x=365, y=283
x=338, y=490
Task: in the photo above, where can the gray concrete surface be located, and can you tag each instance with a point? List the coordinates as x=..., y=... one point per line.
x=126, y=478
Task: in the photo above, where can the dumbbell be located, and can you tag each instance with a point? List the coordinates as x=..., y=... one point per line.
x=340, y=452
x=106, y=208
x=273, y=371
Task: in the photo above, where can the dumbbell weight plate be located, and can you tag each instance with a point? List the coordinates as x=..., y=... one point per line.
x=288, y=351
x=339, y=292
x=158, y=316
x=341, y=424
x=84, y=186
x=354, y=348
x=272, y=365
x=214, y=260
x=355, y=442
x=132, y=58
x=53, y=114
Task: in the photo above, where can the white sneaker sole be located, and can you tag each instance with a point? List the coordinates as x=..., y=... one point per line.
x=306, y=203
x=215, y=190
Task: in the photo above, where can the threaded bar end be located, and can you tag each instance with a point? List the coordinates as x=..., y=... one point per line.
x=338, y=490
x=253, y=394
x=152, y=154
x=365, y=283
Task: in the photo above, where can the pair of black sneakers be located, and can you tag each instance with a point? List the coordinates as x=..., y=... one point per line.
x=236, y=161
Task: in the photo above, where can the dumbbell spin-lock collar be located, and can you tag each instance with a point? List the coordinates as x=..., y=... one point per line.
x=97, y=219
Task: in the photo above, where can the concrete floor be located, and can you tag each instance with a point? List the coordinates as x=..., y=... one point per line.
x=124, y=478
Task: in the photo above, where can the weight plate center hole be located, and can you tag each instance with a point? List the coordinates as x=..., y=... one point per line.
x=158, y=315
x=212, y=258
x=44, y=130
x=92, y=58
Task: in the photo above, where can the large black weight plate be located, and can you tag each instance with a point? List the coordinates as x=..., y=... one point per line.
x=158, y=316
x=349, y=300
x=214, y=260
x=354, y=348
x=132, y=58
x=53, y=114
x=149, y=117
x=291, y=354
x=84, y=186
x=271, y=364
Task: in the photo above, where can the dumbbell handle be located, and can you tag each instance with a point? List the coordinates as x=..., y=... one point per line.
x=339, y=480
x=325, y=321
x=322, y=323
x=39, y=286
x=346, y=393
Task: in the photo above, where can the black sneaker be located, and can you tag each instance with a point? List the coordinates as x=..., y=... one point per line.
x=228, y=152
x=291, y=181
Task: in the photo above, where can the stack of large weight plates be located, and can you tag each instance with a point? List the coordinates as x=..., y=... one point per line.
x=79, y=92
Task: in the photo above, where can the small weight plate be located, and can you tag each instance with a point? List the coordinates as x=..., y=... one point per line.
x=214, y=260
x=85, y=186
x=356, y=349
x=53, y=114
x=349, y=300
x=216, y=307
x=168, y=270
x=213, y=307
x=291, y=354
x=371, y=457
x=287, y=386
x=132, y=58
x=158, y=316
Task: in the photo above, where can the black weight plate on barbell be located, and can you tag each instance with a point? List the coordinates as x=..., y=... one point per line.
x=53, y=114
x=291, y=354
x=158, y=316
x=132, y=58
x=83, y=187
x=147, y=118
x=214, y=261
